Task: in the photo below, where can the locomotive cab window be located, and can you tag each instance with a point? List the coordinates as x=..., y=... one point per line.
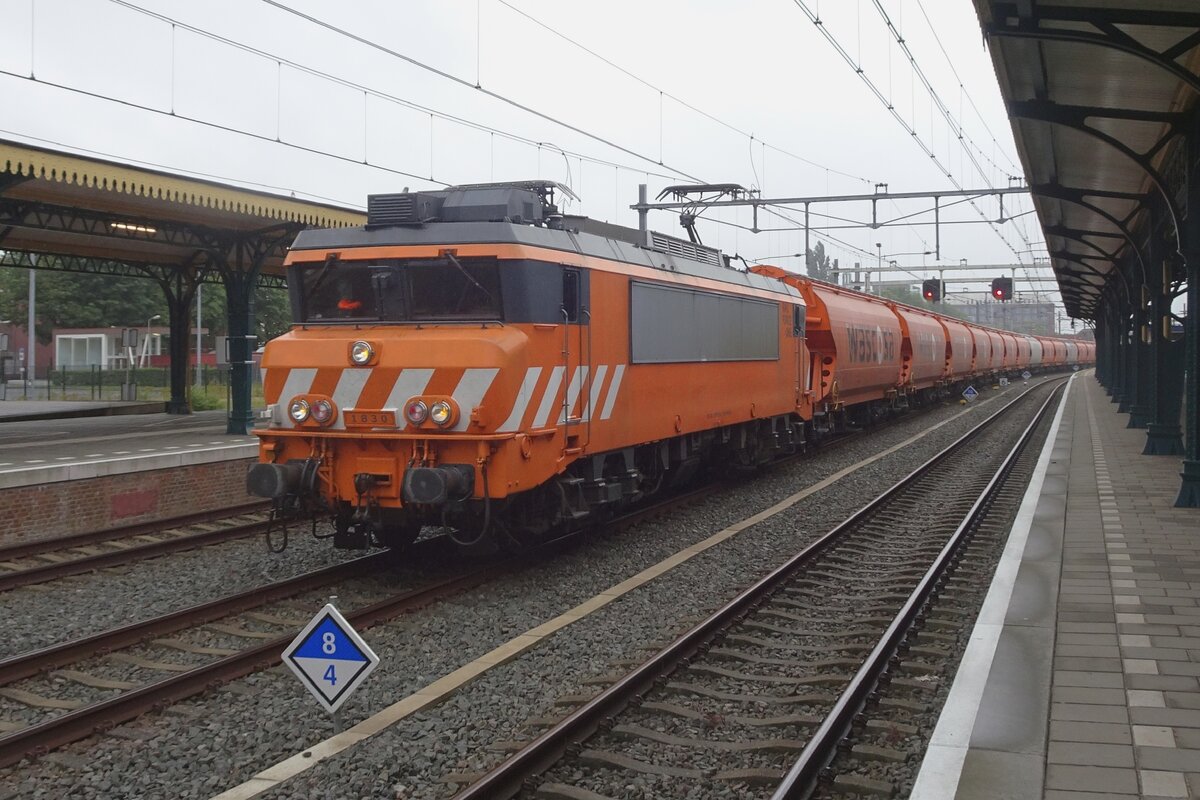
x=570, y=292
x=446, y=288
x=798, y=320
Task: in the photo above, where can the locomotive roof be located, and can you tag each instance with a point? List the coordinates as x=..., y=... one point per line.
x=608, y=241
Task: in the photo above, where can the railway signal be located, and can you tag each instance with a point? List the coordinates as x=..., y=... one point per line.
x=1002, y=288
x=931, y=290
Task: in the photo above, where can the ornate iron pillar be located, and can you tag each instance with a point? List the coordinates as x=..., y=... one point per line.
x=1119, y=320
x=1189, y=490
x=240, y=278
x=180, y=290
x=1164, y=379
x=1102, y=349
x=1138, y=372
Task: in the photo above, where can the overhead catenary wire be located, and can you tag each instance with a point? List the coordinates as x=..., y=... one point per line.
x=892, y=110
x=468, y=84
x=675, y=98
x=383, y=95
x=967, y=145
x=1014, y=168
x=751, y=137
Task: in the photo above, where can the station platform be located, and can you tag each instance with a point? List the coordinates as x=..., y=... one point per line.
x=48, y=450
x=1082, y=677
x=31, y=410
x=69, y=475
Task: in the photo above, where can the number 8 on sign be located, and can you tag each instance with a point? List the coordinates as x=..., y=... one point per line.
x=330, y=658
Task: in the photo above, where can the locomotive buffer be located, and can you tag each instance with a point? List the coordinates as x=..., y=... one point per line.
x=330, y=659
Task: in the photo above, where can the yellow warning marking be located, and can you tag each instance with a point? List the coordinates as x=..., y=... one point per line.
x=445, y=686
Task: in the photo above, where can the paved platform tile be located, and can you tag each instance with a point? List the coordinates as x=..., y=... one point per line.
x=1088, y=754
x=1098, y=732
x=1082, y=712
x=1172, y=759
x=1091, y=779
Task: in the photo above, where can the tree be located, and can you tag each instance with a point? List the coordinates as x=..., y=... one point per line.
x=71, y=300
x=78, y=300
x=819, y=265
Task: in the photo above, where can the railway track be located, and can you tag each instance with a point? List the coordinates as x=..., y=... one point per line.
x=30, y=563
x=763, y=694
x=43, y=726
x=39, y=716
x=46, y=721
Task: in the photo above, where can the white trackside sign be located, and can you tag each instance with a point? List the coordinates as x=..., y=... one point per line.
x=330, y=658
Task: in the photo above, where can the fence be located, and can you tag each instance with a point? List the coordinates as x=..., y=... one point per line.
x=153, y=384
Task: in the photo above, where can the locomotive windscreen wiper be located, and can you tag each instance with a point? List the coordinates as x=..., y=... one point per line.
x=467, y=275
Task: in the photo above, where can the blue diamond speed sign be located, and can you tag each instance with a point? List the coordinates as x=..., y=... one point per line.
x=330, y=658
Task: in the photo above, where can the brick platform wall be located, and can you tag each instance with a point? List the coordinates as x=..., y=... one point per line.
x=49, y=510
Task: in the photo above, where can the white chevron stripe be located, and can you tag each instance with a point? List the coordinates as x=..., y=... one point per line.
x=547, y=405
x=470, y=391
x=298, y=381
x=611, y=400
x=410, y=382
x=573, y=392
x=349, y=388
x=597, y=385
x=524, y=395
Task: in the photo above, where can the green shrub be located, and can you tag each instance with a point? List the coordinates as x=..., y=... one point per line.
x=207, y=402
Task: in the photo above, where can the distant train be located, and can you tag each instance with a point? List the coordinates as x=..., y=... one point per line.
x=473, y=359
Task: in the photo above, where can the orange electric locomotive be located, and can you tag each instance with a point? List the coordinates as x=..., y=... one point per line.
x=473, y=359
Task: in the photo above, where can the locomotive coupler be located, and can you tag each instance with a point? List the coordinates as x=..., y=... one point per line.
x=354, y=532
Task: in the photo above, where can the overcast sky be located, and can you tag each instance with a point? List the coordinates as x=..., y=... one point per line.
x=238, y=74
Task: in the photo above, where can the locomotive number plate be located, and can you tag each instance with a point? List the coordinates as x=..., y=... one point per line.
x=370, y=419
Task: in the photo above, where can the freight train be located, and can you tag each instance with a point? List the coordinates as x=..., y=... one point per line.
x=474, y=359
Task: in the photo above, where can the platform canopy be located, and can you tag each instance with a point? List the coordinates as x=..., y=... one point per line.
x=1098, y=93
x=74, y=213
x=101, y=216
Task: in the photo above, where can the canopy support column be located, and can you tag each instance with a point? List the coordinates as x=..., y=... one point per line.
x=1164, y=383
x=240, y=275
x=180, y=291
x=1189, y=490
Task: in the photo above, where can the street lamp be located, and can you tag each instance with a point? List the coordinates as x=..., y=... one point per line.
x=146, y=344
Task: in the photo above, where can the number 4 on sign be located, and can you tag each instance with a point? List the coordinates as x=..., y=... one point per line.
x=330, y=658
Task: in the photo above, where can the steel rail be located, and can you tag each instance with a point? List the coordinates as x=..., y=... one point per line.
x=174, y=544
x=806, y=773
x=97, y=717
x=507, y=778
x=39, y=546
x=25, y=665
x=80, y=723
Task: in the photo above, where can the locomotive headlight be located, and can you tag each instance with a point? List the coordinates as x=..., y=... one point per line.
x=416, y=412
x=441, y=413
x=361, y=353
x=299, y=410
x=322, y=411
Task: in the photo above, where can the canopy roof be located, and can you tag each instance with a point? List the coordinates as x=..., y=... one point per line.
x=1097, y=92
x=91, y=211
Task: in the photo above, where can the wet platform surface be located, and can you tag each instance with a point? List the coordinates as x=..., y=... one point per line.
x=30, y=410
x=51, y=450
x=1082, y=679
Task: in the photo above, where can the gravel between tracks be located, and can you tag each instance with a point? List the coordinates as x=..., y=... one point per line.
x=80, y=605
x=220, y=739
